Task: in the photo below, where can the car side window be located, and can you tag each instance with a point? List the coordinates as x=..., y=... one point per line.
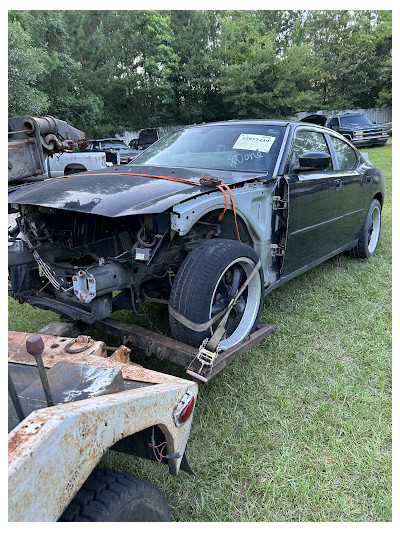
x=334, y=123
x=308, y=141
x=347, y=157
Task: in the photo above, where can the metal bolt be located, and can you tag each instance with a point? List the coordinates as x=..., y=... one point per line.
x=35, y=347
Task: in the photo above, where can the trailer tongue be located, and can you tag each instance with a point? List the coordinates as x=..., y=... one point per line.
x=200, y=364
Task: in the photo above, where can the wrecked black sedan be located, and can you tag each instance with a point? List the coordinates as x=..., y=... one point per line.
x=208, y=220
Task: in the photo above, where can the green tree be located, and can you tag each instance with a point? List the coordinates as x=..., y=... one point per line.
x=384, y=55
x=353, y=48
x=193, y=75
x=25, y=64
x=258, y=78
x=110, y=71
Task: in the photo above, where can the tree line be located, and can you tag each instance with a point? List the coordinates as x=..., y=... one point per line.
x=110, y=71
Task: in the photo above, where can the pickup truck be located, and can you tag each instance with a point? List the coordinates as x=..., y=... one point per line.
x=146, y=138
x=72, y=163
x=356, y=127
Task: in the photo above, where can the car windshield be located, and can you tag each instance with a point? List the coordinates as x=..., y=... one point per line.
x=241, y=147
x=114, y=144
x=355, y=119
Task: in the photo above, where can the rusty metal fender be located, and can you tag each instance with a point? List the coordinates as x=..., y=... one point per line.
x=53, y=451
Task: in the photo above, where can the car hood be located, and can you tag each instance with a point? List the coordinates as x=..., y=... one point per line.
x=358, y=127
x=315, y=119
x=115, y=192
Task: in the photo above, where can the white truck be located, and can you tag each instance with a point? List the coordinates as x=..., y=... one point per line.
x=75, y=162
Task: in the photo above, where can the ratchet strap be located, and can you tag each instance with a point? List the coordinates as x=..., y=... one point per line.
x=210, y=348
x=221, y=329
x=204, y=180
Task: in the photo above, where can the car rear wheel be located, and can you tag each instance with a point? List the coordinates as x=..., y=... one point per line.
x=109, y=496
x=370, y=232
x=207, y=281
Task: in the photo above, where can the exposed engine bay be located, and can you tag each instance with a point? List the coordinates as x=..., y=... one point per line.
x=73, y=255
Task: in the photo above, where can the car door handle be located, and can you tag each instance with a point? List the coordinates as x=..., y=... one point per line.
x=338, y=184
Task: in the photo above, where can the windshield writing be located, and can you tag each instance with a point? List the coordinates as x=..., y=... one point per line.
x=251, y=148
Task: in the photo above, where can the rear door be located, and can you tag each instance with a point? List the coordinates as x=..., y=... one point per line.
x=313, y=226
x=350, y=180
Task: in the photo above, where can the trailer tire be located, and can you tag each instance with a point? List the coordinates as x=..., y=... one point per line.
x=109, y=496
x=205, y=284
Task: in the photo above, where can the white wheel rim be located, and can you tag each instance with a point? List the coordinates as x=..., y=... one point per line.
x=252, y=303
x=374, y=229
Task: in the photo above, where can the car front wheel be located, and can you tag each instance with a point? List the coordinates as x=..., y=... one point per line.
x=207, y=281
x=370, y=232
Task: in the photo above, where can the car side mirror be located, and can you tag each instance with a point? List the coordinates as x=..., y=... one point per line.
x=313, y=161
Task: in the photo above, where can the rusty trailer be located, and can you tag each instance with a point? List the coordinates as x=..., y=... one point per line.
x=96, y=403
x=182, y=354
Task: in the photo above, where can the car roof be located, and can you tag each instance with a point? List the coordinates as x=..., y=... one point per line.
x=109, y=139
x=266, y=122
x=285, y=123
x=348, y=114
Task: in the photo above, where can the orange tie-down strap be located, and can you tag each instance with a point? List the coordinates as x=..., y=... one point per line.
x=189, y=182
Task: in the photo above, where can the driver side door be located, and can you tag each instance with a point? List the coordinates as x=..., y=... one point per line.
x=313, y=197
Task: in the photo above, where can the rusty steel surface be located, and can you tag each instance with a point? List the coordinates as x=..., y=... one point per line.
x=151, y=342
x=78, y=345
x=184, y=355
x=54, y=346
x=53, y=451
x=17, y=354
x=121, y=355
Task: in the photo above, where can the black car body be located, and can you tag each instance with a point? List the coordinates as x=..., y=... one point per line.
x=147, y=137
x=201, y=213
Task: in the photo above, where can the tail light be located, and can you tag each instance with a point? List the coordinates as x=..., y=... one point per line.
x=185, y=408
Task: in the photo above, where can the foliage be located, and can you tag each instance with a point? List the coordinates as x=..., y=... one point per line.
x=25, y=64
x=110, y=71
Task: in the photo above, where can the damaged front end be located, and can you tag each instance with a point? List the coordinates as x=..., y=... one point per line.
x=86, y=266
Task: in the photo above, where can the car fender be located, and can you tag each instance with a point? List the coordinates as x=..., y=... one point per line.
x=254, y=206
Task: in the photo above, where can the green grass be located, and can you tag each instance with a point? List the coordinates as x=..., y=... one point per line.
x=299, y=427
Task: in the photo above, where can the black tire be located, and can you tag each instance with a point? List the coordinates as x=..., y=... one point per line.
x=206, y=282
x=370, y=232
x=109, y=496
